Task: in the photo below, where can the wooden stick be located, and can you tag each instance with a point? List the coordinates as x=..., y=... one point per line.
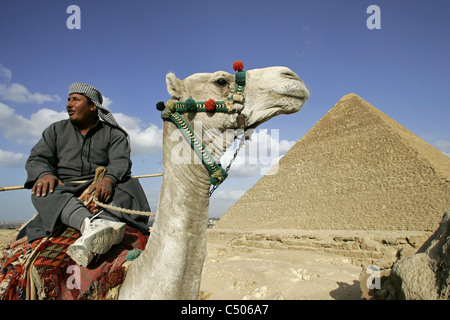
x=137, y=177
x=148, y=175
x=11, y=188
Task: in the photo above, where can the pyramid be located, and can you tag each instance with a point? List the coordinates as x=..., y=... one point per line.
x=356, y=169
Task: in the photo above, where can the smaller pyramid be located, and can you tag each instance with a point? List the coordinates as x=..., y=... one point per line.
x=356, y=169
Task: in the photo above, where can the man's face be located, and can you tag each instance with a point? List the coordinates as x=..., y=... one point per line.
x=80, y=112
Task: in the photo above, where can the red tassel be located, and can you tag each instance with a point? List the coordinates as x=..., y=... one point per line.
x=210, y=105
x=238, y=66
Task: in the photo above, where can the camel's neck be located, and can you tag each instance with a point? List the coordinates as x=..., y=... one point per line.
x=171, y=265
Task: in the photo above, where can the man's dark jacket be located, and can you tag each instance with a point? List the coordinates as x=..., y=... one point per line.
x=64, y=152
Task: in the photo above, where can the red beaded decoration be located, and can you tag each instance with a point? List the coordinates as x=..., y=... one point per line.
x=210, y=105
x=238, y=66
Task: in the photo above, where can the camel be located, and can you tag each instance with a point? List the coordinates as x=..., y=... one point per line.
x=171, y=265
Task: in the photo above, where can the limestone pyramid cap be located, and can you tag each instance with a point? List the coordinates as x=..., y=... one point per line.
x=349, y=96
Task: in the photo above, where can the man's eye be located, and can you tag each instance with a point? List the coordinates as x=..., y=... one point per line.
x=221, y=82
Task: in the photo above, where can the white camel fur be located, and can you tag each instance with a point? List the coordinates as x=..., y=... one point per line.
x=171, y=265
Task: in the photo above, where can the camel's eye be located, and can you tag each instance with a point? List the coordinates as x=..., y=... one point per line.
x=221, y=82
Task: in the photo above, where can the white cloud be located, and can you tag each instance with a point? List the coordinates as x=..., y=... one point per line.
x=223, y=198
x=21, y=130
x=144, y=140
x=286, y=145
x=5, y=74
x=16, y=92
x=229, y=195
x=106, y=102
x=10, y=159
x=444, y=146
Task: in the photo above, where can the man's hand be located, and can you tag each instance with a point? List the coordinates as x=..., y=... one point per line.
x=103, y=189
x=46, y=183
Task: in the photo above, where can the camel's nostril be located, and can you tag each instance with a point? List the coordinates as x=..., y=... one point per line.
x=290, y=75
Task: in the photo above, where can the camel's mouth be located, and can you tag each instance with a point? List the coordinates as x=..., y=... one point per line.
x=289, y=103
x=286, y=104
x=300, y=97
x=297, y=91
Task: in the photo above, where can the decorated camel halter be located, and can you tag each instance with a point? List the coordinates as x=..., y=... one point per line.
x=172, y=111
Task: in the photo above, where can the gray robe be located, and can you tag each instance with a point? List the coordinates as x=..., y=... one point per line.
x=64, y=152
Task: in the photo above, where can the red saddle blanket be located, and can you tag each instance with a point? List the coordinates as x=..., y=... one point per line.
x=43, y=270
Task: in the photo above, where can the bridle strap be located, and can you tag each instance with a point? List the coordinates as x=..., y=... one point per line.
x=216, y=173
x=172, y=110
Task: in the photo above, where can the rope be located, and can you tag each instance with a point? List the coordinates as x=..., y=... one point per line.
x=241, y=144
x=216, y=173
x=83, y=181
x=129, y=211
x=99, y=174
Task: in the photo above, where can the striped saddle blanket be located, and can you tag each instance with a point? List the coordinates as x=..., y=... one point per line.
x=43, y=270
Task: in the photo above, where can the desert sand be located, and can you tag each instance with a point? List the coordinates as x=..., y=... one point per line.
x=244, y=273
x=5, y=237
x=248, y=273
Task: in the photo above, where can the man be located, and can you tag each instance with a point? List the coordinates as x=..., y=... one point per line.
x=71, y=150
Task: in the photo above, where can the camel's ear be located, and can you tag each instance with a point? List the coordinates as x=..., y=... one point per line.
x=174, y=85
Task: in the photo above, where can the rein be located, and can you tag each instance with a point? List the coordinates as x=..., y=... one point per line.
x=89, y=199
x=172, y=111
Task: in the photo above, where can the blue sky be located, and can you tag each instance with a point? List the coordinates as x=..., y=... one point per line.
x=126, y=48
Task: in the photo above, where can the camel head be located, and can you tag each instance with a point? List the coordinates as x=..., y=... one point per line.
x=222, y=102
x=268, y=92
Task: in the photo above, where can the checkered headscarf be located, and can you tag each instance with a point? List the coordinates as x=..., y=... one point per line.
x=97, y=99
